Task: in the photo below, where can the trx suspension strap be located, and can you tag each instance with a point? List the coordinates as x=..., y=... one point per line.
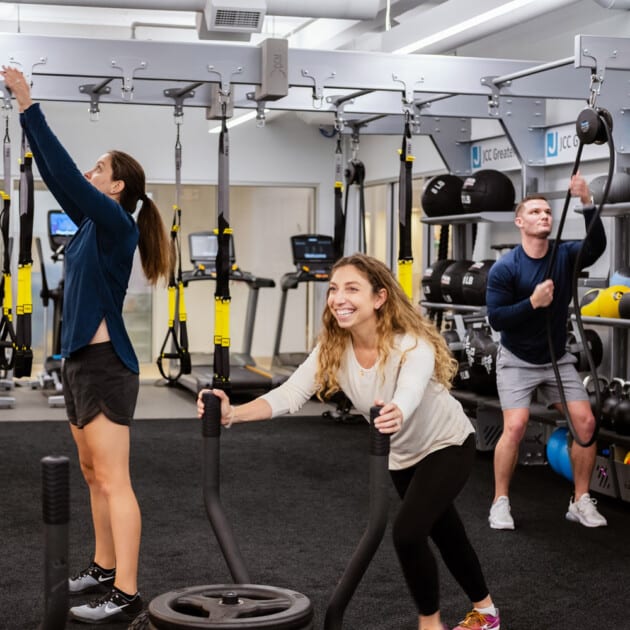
x=24, y=304
x=221, y=378
x=355, y=174
x=178, y=355
x=405, y=257
x=340, y=218
x=7, y=334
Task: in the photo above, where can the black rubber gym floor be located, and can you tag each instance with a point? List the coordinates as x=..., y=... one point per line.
x=296, y=493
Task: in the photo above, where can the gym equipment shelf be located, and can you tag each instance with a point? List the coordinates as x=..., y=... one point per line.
x=471, y=217
x=605, y=321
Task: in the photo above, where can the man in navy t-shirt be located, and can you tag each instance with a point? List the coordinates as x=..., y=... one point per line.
x=521, y=295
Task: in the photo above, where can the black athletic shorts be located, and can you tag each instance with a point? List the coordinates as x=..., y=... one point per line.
x=95, y=380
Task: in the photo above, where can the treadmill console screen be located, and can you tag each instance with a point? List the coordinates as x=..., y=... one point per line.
x=204, y=247
x=315, y=252
x=61, y=228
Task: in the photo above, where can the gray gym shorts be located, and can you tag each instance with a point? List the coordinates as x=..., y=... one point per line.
x=517, y=380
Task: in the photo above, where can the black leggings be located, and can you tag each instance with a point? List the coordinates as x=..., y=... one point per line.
x=428, y=490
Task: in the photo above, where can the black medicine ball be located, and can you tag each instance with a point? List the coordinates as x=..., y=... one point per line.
x=488, y=191
x=451, y=281
x=442, y=196
x=431, y=287
x=474, y=283
x=481, y=351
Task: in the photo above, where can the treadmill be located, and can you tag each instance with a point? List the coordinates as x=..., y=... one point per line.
x=61, y=229
x=246, y=378
x=313, y=257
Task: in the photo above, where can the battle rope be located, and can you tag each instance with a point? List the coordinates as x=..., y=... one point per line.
x=576, y=271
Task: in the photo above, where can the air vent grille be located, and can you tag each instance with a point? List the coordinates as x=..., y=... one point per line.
x=230, y=18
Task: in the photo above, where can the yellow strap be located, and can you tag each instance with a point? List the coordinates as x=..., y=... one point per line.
x=171, y=307
x=405, y=276
x=182, y=303
x=222, y=322
x=21, y=290
x=7, y=305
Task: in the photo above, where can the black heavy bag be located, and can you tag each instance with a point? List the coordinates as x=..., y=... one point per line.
x=442, y=196
x=474, y=283
x=431, y=287
x=488, y=191
x=451, y=281
x=481, y=352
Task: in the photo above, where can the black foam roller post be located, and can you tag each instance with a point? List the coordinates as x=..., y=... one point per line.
x=373, y=534
x=211, y=419
x=211, y=431
x=56, y=515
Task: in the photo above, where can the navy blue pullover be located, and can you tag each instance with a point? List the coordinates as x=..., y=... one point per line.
x=511, y=282
x=99, y=257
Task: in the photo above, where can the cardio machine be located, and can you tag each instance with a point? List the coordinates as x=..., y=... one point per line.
x=61, y=229
x=313, y=257
x=246, y=377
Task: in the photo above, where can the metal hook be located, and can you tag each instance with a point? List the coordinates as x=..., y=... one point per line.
x=595, y=88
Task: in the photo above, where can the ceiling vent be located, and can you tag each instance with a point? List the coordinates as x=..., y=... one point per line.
x=235, y=16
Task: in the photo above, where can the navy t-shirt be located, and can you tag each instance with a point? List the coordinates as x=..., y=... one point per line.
x=511, y=282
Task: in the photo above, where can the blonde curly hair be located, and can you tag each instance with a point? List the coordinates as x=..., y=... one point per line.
x=396, y=316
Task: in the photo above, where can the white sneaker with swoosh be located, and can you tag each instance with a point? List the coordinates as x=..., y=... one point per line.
x=114, y=606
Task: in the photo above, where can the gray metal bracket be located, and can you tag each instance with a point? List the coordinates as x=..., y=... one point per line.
x=95, y=92
x=318, y=78
x=179, y=95
x=226, y=74
x=128, y=67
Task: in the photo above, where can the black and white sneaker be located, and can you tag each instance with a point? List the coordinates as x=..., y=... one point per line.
x=92, y=579
x=114, y=606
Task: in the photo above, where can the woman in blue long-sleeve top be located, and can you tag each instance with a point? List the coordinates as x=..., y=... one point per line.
x=100, y=371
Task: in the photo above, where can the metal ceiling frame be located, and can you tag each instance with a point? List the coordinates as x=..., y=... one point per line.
x=373, y=90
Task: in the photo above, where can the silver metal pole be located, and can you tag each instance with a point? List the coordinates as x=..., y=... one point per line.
x=506, y=78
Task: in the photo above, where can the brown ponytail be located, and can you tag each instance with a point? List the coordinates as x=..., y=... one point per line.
x=154, y=244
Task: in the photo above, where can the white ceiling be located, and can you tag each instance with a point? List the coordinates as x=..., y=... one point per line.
x=528, y=29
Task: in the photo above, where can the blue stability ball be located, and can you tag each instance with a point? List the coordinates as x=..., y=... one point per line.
x=558, y=453
x=621, y=276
